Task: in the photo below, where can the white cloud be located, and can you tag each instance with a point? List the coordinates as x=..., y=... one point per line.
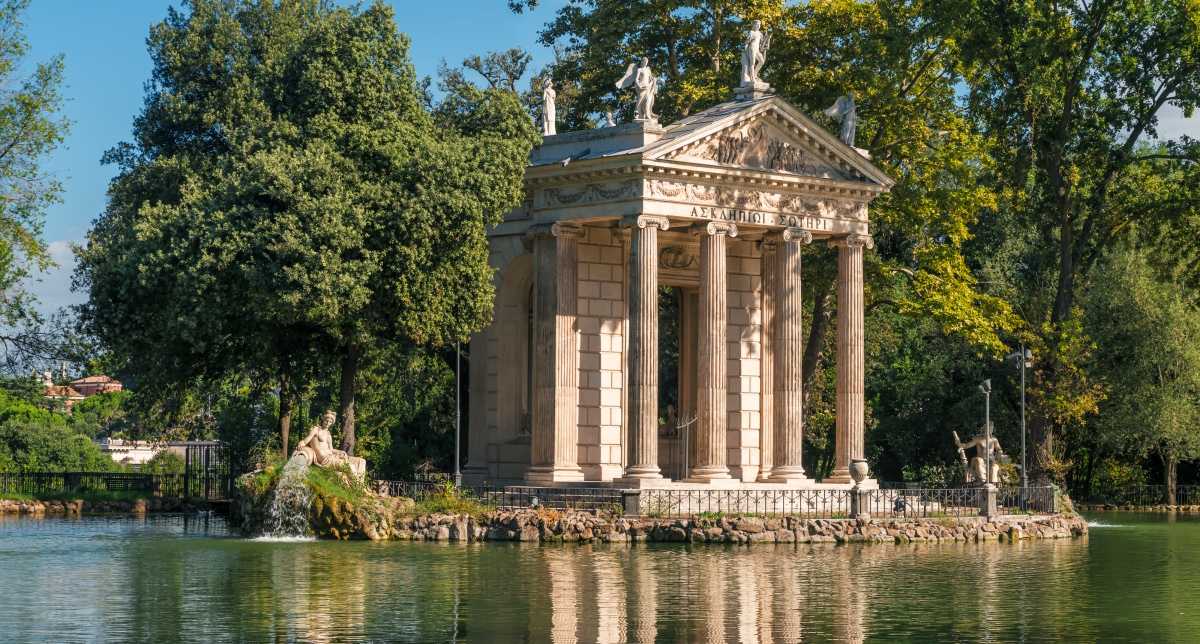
x=54, y=289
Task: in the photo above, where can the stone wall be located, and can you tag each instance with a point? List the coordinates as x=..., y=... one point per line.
x=554, y=526
x=63, y=506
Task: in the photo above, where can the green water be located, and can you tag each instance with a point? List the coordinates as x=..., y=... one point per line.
x=166, y=579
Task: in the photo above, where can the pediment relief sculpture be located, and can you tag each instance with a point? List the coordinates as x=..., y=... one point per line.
x=759, y=146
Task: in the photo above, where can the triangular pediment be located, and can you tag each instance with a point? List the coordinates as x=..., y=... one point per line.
x=767, y=135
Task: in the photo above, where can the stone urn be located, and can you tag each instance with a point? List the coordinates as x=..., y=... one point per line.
x=859, y=470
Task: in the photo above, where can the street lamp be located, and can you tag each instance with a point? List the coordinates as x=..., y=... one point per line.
x=986, y=388
x=457, y=409
x=1024, y=359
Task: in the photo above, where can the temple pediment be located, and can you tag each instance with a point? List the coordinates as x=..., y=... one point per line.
x=766, y=135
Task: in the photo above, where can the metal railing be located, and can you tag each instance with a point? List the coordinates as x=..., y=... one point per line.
x=1036, y=500
x=1137, y=495
x=769, y=503
x=512, y=497
x=74, y=482
x=924, y=503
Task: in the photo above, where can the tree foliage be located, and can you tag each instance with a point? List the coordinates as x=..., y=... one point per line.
x=288, y=200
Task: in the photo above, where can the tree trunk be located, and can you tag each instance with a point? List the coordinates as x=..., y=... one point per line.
x=285, y=409
x=1169, y=471
x=346, y=398
x=814, y=348
x=1041, y=450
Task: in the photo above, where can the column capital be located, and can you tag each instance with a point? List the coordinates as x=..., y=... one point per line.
x=645, y=221
x=796, y=235
x=768, y=244
x=853, y=240
x=715, y=228
x=556, y=229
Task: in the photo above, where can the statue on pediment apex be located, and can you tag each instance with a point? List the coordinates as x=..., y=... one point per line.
x=754, y=53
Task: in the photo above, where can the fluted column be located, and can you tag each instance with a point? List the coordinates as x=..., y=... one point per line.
x=642, y=413
x=555, y=439
x=711, y=405
x=476, y=469
x=851, y=367
x=789, y=357
x=767, y=248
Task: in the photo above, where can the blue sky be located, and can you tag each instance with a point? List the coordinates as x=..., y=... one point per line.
x=107, y=65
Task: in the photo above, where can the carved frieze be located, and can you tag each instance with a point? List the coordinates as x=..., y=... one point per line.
x=676, y=258
x=727, y=197
x=590, y=193
x=757, y=146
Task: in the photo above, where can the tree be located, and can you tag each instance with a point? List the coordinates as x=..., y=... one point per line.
x=30, y=130
x=1148, y=332
x=288, y=201
x=1066, y=93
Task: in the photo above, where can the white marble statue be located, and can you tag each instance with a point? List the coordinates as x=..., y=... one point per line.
x=643, y=81
x=607, y=121
x=975, y=469
x=317, y=448
x=548, y=112
x=846, y=113
x=754, y=53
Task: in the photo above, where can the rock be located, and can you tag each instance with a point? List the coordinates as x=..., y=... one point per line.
x=750, y=525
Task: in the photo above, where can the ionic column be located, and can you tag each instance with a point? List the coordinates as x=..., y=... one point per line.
x=555, y=439
x=766, y=435
x=476, y=469
x=789, y=357
x=851, y=367
x=711, y=405
x=642, y=413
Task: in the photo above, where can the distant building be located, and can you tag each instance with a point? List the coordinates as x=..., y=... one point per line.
x=93, y=385
x=135, y=453
x=68, y=395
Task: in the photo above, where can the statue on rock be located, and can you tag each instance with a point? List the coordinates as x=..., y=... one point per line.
x=754, y=53
x=318, y=450
x=645, y=83
x=975, y=469
x=548, y=111
x=845, y=111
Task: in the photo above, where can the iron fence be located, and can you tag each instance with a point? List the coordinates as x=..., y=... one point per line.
x=74, y=482
x=512, y=497
x=208, y=471
x=1137, y=495
x=923, y=503
x=1036, y=500
x=771, y=503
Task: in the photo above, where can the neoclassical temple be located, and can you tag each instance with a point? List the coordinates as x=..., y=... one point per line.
x=718, y=206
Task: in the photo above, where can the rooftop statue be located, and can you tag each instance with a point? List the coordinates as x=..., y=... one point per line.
x=845, y=111
x=754, y=53
x=975, y=468
x=643, y=81
x=317, y=448
x=548, y=111
x=607, y=121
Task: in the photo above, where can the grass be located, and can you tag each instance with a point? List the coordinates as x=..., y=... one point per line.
x=450, y=500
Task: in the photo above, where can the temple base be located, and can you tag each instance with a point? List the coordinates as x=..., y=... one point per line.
x=550, y=474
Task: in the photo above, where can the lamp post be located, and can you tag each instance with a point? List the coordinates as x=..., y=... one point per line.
x=986, y=388
x=457, y=410
x=1024, y=359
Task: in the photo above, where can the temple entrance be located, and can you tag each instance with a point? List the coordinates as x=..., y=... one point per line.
x=677, y=346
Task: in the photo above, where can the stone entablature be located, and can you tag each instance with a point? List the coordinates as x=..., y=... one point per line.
x=719, y=206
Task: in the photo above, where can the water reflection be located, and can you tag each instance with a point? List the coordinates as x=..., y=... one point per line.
x=171, y=579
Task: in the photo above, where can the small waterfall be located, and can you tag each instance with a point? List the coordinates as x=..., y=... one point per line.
x=286, y=515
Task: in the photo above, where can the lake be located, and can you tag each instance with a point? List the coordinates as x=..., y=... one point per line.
x=188, y=578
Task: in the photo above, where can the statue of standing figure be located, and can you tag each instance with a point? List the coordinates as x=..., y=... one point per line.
x=645, y=83
x=846, y=112
x=975, y=469
x=317, y=448
x=754, y=53
x=548, y=111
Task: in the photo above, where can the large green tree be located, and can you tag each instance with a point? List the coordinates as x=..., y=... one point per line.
x=288, y=201
x=1067, y=93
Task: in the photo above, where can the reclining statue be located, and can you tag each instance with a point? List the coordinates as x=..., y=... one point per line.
x=976, y=468
x=317, y=448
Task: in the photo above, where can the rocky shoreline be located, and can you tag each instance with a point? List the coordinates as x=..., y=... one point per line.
x=79, y=506
x=544, y=525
